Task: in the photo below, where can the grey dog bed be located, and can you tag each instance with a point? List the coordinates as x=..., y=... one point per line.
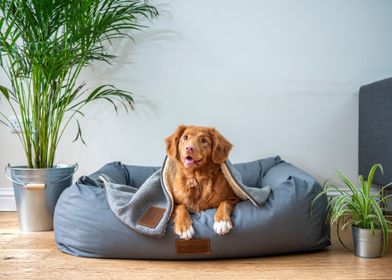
x=85, y=225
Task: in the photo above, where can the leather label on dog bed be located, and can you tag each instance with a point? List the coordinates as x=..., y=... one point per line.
x=192, y=246
x=152, y=217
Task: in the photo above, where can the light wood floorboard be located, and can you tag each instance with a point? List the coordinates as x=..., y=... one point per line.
x=35, y=256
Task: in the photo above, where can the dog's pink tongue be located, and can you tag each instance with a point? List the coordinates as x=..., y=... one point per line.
x=188, y=161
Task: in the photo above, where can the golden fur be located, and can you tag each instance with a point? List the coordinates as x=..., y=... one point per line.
x=199, y=183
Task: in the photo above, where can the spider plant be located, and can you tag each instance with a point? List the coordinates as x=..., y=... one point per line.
x=357, y=206
x=44, y=45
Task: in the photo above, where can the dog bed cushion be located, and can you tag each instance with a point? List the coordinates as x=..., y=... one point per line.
x=85, y=225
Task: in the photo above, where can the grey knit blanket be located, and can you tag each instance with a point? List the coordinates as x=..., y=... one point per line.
x=147, y=209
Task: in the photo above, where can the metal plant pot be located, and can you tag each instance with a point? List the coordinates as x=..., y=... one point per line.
x=367, y=243
x=36, y=193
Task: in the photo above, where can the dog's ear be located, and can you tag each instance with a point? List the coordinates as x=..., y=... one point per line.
x=172, y=141
x=220, y=147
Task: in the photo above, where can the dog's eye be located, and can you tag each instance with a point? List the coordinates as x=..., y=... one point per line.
x=203, y=140
x=186, y=137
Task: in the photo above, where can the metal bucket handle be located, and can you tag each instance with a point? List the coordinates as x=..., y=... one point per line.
x=17, y=181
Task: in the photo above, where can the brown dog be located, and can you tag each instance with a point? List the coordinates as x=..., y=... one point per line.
x=199, y=183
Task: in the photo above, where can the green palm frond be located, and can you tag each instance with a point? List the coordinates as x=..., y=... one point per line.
x=43, y=47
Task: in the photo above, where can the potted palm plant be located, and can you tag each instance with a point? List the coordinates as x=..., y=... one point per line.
x=44, y=45
x=360, y=209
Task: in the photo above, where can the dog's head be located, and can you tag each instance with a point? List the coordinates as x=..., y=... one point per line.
x=194, y=146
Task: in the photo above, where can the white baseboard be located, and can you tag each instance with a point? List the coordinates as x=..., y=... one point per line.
x=7, y=199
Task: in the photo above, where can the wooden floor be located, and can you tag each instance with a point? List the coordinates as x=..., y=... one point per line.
x=35, y=256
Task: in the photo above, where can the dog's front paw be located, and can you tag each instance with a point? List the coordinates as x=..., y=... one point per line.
x=184, y=232
x=222, y=227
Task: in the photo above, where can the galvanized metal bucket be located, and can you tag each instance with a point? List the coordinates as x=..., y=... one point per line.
x=36, y=193
x=367, y=243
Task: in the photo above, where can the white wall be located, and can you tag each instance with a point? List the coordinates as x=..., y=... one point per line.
x=275, y=77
